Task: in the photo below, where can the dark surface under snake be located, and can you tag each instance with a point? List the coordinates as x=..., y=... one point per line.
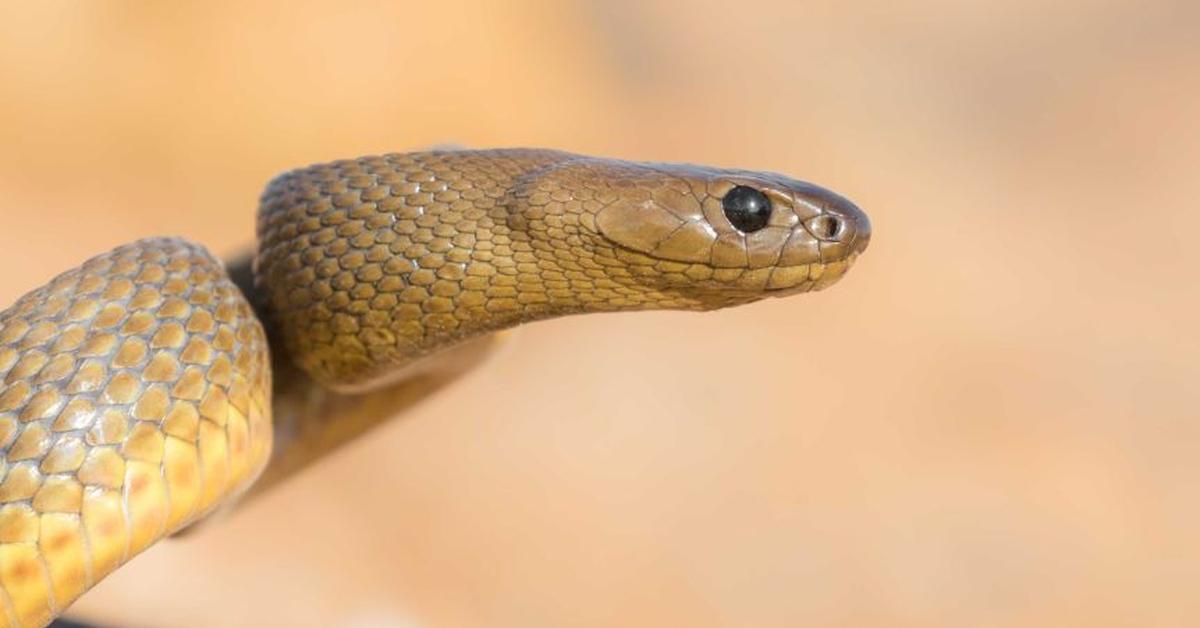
x=137, y=392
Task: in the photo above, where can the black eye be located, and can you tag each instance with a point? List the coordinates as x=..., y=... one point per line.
x=746, y=208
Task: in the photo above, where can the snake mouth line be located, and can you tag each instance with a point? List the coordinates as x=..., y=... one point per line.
x=827, y=273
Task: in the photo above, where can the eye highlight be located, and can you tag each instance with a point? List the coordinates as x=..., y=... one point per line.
x=747, y=209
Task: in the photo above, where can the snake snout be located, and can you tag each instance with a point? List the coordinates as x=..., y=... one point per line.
x=843, y=223
x=858, y=227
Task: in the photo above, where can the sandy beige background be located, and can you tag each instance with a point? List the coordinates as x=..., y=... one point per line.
x=992, y=421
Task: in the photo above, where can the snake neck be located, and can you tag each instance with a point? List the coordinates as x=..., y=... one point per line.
x=391, y=258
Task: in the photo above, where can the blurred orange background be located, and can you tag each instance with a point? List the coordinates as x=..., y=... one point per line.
x=992, y=421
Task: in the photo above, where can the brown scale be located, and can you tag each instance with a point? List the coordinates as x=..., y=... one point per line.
x=136, y=390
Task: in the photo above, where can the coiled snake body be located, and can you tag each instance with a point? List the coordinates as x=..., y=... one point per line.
x=136, y=392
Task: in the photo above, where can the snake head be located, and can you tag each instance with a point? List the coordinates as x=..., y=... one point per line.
x=368, y=264
x=706, y=237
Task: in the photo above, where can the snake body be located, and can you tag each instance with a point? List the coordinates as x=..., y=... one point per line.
x=136, y=389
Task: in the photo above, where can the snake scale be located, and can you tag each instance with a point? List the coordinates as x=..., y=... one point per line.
x=137, y=395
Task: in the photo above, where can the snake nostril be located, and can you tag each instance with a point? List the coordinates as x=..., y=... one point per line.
x=832, y=226
x=827, y=227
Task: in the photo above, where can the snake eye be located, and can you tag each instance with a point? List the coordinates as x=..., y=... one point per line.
x=747, y=209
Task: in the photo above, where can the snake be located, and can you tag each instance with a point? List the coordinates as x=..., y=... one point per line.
x=152, y=385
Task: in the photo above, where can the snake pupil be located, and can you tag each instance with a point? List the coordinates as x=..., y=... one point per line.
x=746, y=208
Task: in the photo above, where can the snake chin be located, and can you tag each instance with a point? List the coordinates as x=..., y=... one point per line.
x=788, y=280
